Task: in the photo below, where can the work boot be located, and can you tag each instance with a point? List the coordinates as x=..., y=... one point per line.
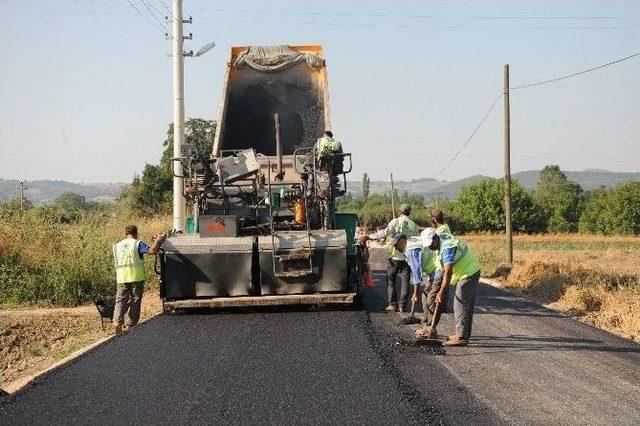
x=390, y=308
x=455, y=340
x=118, y=328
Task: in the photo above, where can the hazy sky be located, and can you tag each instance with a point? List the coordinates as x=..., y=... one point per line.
x=85, y=86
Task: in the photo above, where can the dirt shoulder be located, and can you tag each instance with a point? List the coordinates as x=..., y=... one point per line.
x=600, y=288
x=34, y=339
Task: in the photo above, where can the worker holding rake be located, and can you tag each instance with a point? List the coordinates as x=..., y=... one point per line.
x=459, y=267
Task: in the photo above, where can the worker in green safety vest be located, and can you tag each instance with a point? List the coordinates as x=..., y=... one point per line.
x=328, y=145
x=397, y=266
x=461, y=268
x=436, y=217
x=325, y=147
x=128, y=261
x=421, y=261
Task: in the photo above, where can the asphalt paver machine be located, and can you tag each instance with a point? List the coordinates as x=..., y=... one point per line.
x=265, y=230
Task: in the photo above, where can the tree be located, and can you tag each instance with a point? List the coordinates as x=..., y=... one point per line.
x=480, y=207
x=614, y=211
x=561, y=199
x=151, y=192
x=366, y=185
x=70, y=202
x=199, y=135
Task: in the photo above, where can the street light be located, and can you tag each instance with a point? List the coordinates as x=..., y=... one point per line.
x=204, y=49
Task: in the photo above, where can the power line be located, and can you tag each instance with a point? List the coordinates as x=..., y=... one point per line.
x=151, y=9
x=169, y=11
x=146, y=17
x=564, y=77
x=164, y=5
x=470, y=138
x=493, y=104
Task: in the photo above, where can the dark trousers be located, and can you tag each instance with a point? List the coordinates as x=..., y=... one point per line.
x=398, y=269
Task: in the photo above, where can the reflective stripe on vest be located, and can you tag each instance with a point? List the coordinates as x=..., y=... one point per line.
x=127, y=261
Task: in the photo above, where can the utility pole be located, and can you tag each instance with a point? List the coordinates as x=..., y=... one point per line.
x=178, y=115
x=22, y=188
x=393, y=196
x=507, y=166
x=435, y=196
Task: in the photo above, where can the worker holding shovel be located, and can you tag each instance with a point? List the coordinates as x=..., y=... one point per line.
x=422, y=265
x=461, y=268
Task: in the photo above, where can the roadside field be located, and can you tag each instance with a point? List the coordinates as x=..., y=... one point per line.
x=594, y=278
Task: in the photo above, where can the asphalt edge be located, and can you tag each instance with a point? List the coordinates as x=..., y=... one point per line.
x=497, y=284
x=18, y=386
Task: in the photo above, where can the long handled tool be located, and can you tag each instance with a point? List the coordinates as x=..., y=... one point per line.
x=411, y=319
x=429, y=340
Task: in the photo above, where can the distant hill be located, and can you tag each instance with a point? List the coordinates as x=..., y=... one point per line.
x=45, y=191
x=427, y=187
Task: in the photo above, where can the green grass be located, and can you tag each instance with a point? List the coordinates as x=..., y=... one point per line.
x=34, y=351
x=65, y=352
x=48, y=263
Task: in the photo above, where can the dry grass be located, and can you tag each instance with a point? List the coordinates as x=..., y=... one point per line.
x=47, y=263
x=594, y=278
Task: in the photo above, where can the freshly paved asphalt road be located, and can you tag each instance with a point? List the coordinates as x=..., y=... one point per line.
x=527, y=365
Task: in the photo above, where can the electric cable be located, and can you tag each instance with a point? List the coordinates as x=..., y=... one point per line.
x=470, y=138
x=146, y=17
x=575, y=74
x=152, y=11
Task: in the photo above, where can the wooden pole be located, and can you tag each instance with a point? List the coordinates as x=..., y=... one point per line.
x=507, y=167
x=393, y=195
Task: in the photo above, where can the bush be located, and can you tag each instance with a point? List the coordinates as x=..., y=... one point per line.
x=480, y=208
x=46, y=262
x=613, y=211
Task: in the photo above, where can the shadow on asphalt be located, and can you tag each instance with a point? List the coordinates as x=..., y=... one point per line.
x=338, y=307
x=497, y=301
x=515, y=343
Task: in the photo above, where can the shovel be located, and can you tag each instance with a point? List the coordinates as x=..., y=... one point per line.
x=411, y=319
x=427, y=340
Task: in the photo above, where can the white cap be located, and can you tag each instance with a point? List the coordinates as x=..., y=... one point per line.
x=427, y=236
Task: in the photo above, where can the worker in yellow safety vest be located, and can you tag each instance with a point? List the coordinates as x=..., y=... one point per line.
x=128, y=255
x=436, y=217
x=325, y=147
x=397, y=266
x=421, y=262
x=461, y=268
x=328, y=145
